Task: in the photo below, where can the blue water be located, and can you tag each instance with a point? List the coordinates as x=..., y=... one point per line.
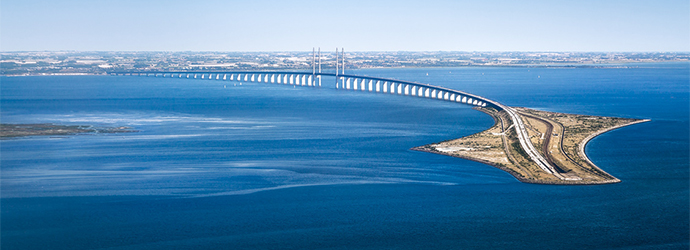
x=218, y=165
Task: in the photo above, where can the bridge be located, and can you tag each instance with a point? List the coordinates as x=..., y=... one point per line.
x=343, y=81
x=363, y=84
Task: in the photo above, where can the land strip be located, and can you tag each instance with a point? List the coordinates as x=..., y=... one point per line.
x=8, y=131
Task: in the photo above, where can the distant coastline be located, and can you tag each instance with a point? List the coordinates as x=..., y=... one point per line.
x=95, y=63
x=606, y=65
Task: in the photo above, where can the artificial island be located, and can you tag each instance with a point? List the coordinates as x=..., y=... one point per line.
x=559, y=137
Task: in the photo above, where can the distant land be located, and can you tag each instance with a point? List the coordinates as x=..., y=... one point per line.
x=90, y=63
x=8, y=131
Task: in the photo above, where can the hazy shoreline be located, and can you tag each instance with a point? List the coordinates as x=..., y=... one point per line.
x=602, y=65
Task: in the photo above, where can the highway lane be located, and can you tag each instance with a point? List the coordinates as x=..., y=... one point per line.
x=526, y=144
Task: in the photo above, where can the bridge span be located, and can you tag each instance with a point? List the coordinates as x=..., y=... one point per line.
x=345, y=82
x=366, y=84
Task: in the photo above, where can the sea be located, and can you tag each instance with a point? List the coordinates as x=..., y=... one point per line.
x=242, y=165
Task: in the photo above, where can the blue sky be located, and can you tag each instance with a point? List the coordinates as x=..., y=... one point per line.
x=356, y=25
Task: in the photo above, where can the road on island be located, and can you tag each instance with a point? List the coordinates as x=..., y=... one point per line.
x=526, y=144
x=547, y=142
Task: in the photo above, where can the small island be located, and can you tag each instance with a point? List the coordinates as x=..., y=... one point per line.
x=560, y=138
x=8, y=131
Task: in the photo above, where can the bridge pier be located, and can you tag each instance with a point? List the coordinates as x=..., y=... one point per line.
x=349, y=82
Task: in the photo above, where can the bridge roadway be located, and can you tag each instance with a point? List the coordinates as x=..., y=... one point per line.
x=370, y=84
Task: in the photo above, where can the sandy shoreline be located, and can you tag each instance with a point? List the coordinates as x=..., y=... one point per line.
x=584, y=142
x=511, y=172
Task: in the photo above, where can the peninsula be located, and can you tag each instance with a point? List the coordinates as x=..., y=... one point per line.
x=560, y=138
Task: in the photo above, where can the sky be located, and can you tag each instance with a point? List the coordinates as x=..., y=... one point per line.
x=356, y=25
